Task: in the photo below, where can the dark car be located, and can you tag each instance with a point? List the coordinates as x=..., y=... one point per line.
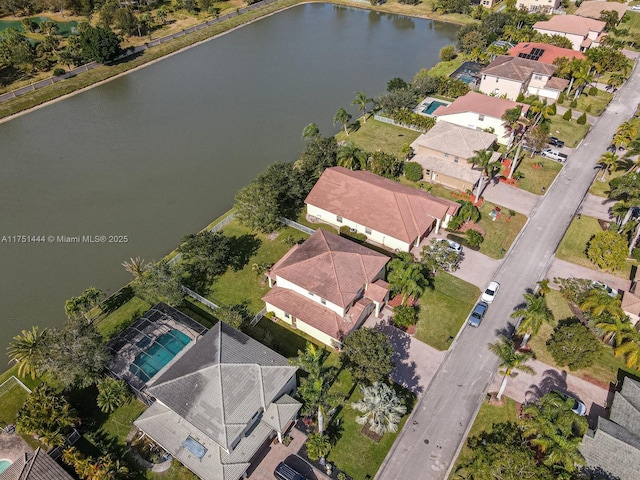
x=476, y=316
x=556, y=142
x=285, y=472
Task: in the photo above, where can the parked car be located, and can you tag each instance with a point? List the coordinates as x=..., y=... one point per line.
x=554, y=155
x=635, y=8
x=285, y=472
x=612, y=292
x=579, y=408
x=456, y=247
x=477, y=314
x=556, y=142
x=529, y=148
x=490, y=292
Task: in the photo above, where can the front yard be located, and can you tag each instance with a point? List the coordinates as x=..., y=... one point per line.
x=539, y=173
x=444, y=309
x=601, y=189
x=596, y=104
x=568, y=130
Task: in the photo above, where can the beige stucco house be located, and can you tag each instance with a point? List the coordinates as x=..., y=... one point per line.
x=480, y=112
x=327, y=286
x=390, y=214
x=538, y=6
x=444, y=150
x=582, y=31
x=509, y=76
x=593, y=9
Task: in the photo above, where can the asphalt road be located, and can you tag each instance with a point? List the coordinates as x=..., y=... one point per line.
x=431, y=439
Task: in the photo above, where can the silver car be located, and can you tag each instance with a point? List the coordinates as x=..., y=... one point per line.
x=477, y=314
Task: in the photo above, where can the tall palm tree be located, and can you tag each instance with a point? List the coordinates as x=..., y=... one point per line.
x=112, y=393
x=361, y=101
x=351, y=157
x=607, y=161
x=532, y=316
x=510, y=360
x=511, y=121
x=616, y=330
x=598, y=302
x=28, y=350
x=482, y=158
x=630, y=350
x=542, y=112
x=310, y=360
x=583, y=77
x=626, y=192
x=407, y=277
x=136, y=267
x=381, y=408
x=343, y=117
x=310, y=132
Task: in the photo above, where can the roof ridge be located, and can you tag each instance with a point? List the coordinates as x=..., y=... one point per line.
x=224, y=420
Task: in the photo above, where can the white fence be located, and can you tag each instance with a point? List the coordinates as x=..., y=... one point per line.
x=199, y=298
x=10, y=383
x=297, y=226
x=382, y=119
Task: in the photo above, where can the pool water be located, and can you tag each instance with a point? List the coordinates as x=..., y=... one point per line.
x=432, y=107
x=153, y=359
x=4, y=464
x=466, y=78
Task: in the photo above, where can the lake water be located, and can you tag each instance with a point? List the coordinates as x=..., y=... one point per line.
x=159, y=153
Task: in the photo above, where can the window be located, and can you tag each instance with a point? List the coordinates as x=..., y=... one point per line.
x=286, y=315
x=455, y=160
x=338, y=219
x=446, y=155
x=323, y=301
x=311, y=294
x=427, y=173
x=481, y=117
x=538, y=77
x=195, y=447
x=367, y=230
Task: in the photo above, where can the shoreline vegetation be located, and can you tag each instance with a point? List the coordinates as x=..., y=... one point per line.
x=81, y=82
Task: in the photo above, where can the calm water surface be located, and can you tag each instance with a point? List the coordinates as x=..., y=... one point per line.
x=159, y=153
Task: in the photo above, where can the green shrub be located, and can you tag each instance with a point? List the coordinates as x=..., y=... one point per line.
x=635, y=254
x=58, y=71
x=347, y=233
x=474, y=238
x=582, y=119
x=574, y=103
x=447, y=53
x=561, y=98
x=588, y=109
x=405, y=316
x=593, y=91
x=567, y=115
x=520, y=97
x=413, y=171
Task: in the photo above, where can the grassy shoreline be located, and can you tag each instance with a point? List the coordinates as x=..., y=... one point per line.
x=93, y=78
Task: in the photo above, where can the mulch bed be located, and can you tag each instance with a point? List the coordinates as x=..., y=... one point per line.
x=369, y=433
x=471, y=226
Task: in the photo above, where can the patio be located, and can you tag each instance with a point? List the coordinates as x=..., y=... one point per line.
x=12, y=446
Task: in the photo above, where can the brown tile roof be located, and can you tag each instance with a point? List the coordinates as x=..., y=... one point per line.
x=377, y=291
x=479, y=103
x=308, y=311
x=461, y=170
x=551, y=52
x=455, y=140
x=571, y=24
x=396, y=210
x=516, y=68
x=331, y=267
x=555, y=83
x=631, y=303
x=592, y=9
x=35, y=466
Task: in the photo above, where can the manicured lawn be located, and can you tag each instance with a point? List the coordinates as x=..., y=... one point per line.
x=488, y=415
x=375, y=135
x=177, y=471
x=285, y=340
x=597, y=102
x=601, y=189
x=536, y=178
x=573, y=245
x=235, y=287
x=122, y=317
x=568, y=131
x=355, y=453
x=444, y=69
x=444, y=309
x=119, y=423
x=10, y=402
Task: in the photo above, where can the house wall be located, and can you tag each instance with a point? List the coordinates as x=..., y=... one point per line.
x=479, y=122
x=429, y=152
x=576, y=40
x=284, y=283
x=302, y=326
x=543, y=92
x=378, y=237
x=451, y=182
x=546, y=6
x=492, y=85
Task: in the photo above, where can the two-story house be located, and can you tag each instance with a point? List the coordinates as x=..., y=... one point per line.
x=327, y=286
x=543, y=52
x=222, y=400
x=480, y=112
x=444, y=152
x=582, y=31
x=511, y=76
x=390, y=214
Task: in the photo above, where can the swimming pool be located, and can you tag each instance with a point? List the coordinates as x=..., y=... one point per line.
x=466, y=78
x=151, y=360
x=4, y=464
x=432, y=107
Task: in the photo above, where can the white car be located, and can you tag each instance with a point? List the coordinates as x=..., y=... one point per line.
x=456, y=247
x=490, y=292
x=635, y=8
x=612, y=292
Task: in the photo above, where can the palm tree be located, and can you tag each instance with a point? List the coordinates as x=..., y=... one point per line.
x=136, y=267
x=380, y=407
x=598, y=302
x=318, y=446
x=510, y=359
x=607, y=162
x=616, y=330
x=542, y=111
x=28, y=350
x=630, y=350
x=343, y=117
x=310, y=132
x=582, y=76
x=511, y=122
x=406, y=277
x=112, y=393
x=532, y=316
x=310, y=360
x=351, y=157
x=362, y=101
x=482, y=158
x=543, y=287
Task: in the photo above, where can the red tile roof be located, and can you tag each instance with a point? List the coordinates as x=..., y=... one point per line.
x=396, y=210
x=377, y=291
x=516, y=68
x=479, y=103
x=551, y=52
x=556, y=83
x=571, y=24
x=331, y=267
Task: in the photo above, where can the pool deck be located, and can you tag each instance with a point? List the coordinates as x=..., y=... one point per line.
x=13, y=447
x=426, y=102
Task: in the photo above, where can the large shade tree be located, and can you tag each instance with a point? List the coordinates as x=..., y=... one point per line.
x=368, y=355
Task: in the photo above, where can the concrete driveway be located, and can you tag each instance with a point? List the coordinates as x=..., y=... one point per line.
x=596, y=207
x=525, y=388
x=416, y=362
x=511, y=197
x=563, y=269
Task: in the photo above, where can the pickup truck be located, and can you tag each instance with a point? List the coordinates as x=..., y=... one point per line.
x=554, y=155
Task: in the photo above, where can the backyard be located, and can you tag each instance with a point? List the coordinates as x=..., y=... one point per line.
x=374, y=135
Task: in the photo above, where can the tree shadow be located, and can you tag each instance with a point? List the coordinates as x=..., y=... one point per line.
x=242, y=248
x=596, y=473
x=118, y=299
x=353, y=127
x=551, y=380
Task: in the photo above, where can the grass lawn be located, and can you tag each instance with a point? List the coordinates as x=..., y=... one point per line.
x=573, y=245
x=598, y=102
x=355, y=453
x=235, y=287
x=286, y=341
x=568, y=131
x=487, y=416
x=374, y=135
x=601, y=188
x=119, y=423
x=10, y=402
x=444, y=309
x=122, y=317
x=444, y=69
x=536, y=178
